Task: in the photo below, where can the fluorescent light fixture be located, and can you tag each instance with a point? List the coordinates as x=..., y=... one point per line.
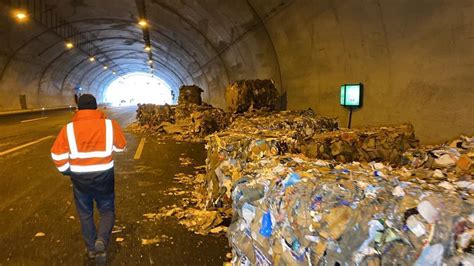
x=69, y=45
x=20, y=15
x=92, y=59
x=105, y=67
x=143, y=23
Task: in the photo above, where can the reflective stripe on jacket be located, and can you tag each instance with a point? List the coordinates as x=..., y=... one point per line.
x=86, y=144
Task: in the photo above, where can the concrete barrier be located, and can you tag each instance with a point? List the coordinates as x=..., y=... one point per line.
x=38, y=110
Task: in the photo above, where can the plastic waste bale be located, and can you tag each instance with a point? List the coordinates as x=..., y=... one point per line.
x=252, y=136
x=385, y=144
x=245, y=94
x=190, y=95
x=292, y=210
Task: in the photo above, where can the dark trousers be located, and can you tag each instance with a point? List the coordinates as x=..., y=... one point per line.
x=105, y=203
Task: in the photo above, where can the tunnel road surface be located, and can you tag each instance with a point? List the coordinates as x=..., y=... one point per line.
x=35, y=198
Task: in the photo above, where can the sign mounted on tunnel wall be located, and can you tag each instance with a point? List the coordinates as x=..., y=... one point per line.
x=351, y=95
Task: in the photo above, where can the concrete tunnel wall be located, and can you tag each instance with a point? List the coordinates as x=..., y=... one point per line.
x=415, y=58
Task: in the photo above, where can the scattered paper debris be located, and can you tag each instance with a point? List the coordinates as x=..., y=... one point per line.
x=155, y=240
x=40, y=234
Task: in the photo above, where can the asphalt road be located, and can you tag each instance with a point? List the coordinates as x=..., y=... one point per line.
x=35, y=198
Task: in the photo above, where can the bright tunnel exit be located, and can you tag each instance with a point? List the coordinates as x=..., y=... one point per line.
x=137, y=88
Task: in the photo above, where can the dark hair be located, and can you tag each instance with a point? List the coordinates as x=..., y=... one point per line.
x=87, y=101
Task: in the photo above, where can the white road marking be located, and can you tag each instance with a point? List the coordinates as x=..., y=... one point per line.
x=35, y=119
x=139, y=151
x=24, y=145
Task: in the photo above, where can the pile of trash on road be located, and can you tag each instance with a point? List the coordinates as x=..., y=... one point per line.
x=191, y=211
x=190, y=120
x=293, y=210
x=244, y=95
x=184, y=122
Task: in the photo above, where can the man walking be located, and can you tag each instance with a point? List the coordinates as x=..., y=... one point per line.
x=83, y=151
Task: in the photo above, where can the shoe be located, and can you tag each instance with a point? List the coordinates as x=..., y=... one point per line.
x=100, y=253
x=90, y=254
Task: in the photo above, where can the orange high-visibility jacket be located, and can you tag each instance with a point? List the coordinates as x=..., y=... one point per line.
x=86, y=144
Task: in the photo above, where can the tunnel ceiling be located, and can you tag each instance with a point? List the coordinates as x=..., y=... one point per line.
x=187, y=40
x=413, y=57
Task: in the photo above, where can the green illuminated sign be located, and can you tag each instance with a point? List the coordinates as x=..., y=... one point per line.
x=351, y=95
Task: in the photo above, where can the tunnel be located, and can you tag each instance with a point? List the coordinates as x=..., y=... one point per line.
x=413, y=60
x=415, y=57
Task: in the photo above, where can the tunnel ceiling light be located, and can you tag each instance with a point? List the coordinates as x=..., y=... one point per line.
x=143, y=23
x=150, y=62
x=92, y=59
x=105, y=67
x=69, y=45
x=147, y=48
x=113, y=72
x=20, y=15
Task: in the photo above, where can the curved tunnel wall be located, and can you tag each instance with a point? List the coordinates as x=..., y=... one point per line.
x=414, y=57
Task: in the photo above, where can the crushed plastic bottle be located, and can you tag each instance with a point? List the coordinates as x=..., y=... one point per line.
x=431, y=256
x=267, y=226
x=415, y=226
x=291, y=179
x=428, y=212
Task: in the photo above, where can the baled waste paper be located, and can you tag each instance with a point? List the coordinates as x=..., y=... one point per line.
x=190, y=95
x=243, y=95
x=152, y=115
x=385, y=144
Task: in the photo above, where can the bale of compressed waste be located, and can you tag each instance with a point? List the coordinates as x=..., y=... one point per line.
x=153, y=115
x=292, y=210
x=208, y=121
x=252, y=136
x=190, y=95
x=298, y=125
x=245, y=94
x=366, y=144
